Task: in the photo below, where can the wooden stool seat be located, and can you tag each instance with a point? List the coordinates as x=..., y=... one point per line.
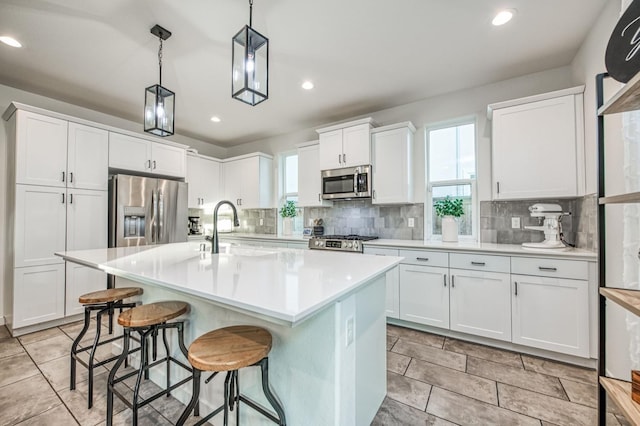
x=230, y=348
x=109, y=295
x=152, y=314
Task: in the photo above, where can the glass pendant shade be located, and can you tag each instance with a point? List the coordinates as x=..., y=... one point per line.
x=159, y=109
x=250, y=66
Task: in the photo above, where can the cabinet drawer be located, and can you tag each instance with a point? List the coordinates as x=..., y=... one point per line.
x=574, y=269
x=480, y=262
x=426, y=258
x=381, y=251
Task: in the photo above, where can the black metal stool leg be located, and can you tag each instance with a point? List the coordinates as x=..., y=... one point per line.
x=195, y=396
x=167, y=353
x=112, y=375
x=226, y=399
x=74, y=348
x=273, y=400
x=185, y=352
x=92, y=354
x=237, y=397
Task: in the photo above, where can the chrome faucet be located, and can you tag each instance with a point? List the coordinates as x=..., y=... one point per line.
x=214, y=240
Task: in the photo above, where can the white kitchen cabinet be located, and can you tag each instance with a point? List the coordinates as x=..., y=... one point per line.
x=38, y=295
x=392, y=305
x=537, y=146
x=203, y=177
x=424, y=295
x=40, y=224
x=391, y=152
x=140, y=155
x=480, y=303
x=248, y=181
x=345, y=145
x=87, y=157
x=309, y=180
x=81, y=280
x=87, y=219
x=40, y=149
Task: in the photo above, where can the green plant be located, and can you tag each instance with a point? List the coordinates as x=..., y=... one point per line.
x=449, y=207
x=289, y=209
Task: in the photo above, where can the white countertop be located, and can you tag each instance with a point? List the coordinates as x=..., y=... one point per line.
x=463, y=246
x=282, y=285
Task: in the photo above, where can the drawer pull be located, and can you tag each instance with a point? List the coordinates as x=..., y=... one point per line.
x=516, y=283
x=544, y=268
x=453, y=282
x=478, y=263
x=422, y=259
x=445, y=279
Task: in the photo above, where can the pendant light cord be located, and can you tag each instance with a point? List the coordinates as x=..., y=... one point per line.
x=251, y=13
x=160, y=60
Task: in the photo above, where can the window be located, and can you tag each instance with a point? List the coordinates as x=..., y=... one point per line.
x=289, y=187
x=451, y=170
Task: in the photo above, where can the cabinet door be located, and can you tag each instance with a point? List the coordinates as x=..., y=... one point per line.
x=564, y=326
x=195, y=171
x=424, y=295
x=309, y=180
x=534, y=150
x=210, y=183
x=331, y=150
x=87, y=157
x=233, y=181
x=392, y=171
x=129, y=153
x=356, y=145
x=41, y=150
x=168, y=160
x=481, y=303
x=87, y=216
x=40, y=219
x=38, y=294
x=81, y=280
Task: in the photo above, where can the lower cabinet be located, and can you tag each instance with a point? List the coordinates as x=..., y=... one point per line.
x=81, y=280
x=480, y=303
x=551, y=313
x=392, y=304
x=38, y=294
x=424, y=295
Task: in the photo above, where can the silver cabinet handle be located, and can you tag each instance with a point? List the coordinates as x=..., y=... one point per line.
x=148, y=164
x=453, y=281
x=63, y=176
x=497, y=187
x=344, y=158
x=319, y=197
x=154, y=164
x=516, y=285
x=543, y=268
x=339, y=159
x=63, y=198
x=71, y=177
x=478, y=263
x=70, y=198
x=422, y=259
x=445, y=279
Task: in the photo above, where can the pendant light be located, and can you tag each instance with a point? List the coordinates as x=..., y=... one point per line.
x=159, y=104
x=250, y=64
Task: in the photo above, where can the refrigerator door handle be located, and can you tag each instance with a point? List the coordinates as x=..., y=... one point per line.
x=154, y=216
x=160, y=210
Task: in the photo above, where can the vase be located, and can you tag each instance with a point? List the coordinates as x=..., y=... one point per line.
x=449, y=229
x=287, y=226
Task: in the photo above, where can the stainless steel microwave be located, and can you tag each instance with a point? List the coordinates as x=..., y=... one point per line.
x=350, y=182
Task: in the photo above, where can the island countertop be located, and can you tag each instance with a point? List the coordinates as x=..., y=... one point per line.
x=285, y=286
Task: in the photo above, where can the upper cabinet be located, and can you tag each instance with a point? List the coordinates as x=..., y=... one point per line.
x=141, y=155
x=391, y=150
x=345, y=145
x=58, y=153
x=309, y=181
x=537, y=146
x=203, y=177
x=248, y=181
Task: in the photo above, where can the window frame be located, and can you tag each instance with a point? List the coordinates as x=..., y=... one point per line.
x=283, y=196
x=429, y=185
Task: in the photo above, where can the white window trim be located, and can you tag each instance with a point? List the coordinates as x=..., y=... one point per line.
x=428, y=201
x=282, y=194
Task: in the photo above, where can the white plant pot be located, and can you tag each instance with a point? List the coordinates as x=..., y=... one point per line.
x=287, y=226
x=449, y=229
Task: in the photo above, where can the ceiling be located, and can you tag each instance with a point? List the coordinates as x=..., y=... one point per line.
x=362, y=55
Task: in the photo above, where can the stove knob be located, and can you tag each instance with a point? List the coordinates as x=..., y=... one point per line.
x=317, y=243
x=349, y=245
x=355, y=245
x=321, y=243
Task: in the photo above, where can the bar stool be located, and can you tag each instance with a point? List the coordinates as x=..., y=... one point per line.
x=105, y=302
x=147, y=321
x=229, y=349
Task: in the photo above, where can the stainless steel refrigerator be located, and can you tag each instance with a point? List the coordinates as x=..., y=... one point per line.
x=145, y=211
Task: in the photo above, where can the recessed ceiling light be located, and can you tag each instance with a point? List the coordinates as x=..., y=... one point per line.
x=503, y=17
x=307, y=85
x=215, y=119
x=10, y=41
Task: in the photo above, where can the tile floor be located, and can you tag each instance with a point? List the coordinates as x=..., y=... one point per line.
x=432, y=380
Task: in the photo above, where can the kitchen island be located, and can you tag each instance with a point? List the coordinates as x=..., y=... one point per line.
x=325, y=312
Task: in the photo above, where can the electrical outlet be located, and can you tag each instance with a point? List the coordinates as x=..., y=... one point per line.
x=261, y=222
x=515, y=222
x=410, y=222
x=350, y=331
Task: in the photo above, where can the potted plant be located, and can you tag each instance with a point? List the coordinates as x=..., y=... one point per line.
x=449, y=209
x=288, y=212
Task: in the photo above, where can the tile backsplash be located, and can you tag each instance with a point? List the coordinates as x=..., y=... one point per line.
x=249, y=220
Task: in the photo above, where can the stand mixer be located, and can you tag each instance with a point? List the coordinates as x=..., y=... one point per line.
x=551, y=226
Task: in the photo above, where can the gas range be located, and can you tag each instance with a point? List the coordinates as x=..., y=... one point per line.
x=352, y=243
